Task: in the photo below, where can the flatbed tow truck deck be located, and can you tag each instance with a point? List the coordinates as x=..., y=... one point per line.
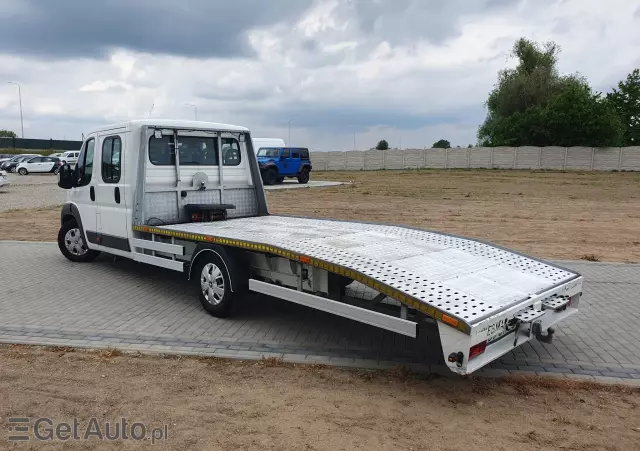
x=469, y=285
x=188, y=196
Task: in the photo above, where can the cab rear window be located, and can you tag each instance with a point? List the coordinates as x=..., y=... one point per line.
x=194, y=151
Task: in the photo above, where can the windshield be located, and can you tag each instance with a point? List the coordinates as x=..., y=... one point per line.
x=268, y=152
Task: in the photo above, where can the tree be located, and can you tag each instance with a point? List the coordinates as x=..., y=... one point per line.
x=7, y=134
x=626, y=101
x=382, y=145
x=533, y=104
x=442, y=144
x=470, y=146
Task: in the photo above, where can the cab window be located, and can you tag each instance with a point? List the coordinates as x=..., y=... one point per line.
x=194, y=151
x=286, y=153
x=111, y=149
x=230, y=152
x=84, y=166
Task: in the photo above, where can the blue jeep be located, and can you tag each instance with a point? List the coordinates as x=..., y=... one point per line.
x=276, y=163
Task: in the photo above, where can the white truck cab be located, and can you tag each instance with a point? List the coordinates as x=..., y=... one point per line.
x=188, y=196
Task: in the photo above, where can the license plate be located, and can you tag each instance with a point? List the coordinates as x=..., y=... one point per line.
x=499, y=330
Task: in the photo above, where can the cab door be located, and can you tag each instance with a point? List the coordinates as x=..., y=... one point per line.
x=110, y=192
x=83, y=194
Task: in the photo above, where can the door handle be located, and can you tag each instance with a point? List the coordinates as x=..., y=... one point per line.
x=92, y=193
x=116, y=194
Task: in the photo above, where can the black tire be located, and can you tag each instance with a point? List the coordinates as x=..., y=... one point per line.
x=269, y=177
x=303, y=176
x=23, y=171
x=280, y=180
x=74, y=240
x=215, y=303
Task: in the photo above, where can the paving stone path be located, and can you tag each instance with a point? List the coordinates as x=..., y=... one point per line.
x=45, y=299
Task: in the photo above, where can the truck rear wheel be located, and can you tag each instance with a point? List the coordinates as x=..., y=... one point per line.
x=303, y=177
x=214, y=285
x=72, y=244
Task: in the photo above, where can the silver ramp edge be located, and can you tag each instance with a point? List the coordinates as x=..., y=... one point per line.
x=400, y=326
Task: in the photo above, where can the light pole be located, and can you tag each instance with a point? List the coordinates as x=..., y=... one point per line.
x=20, y=99
x=195, y=109
x=289, y=142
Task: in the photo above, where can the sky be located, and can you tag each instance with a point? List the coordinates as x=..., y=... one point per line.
x=326, y=74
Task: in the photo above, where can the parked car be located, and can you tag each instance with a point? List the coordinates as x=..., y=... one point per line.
x=70, y=156
x=39, y=164
x=276, y=163
x=10, y=166
x=57, y=155
x=4, y=181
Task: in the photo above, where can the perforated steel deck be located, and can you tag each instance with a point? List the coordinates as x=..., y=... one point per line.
x=463, y=278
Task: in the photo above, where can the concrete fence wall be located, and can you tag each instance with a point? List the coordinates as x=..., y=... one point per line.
x=559, y=158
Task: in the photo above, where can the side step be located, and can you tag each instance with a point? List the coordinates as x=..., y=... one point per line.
x=175, y=265
x=397, y=325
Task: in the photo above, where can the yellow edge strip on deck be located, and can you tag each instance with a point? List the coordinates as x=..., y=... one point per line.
x=337, y=269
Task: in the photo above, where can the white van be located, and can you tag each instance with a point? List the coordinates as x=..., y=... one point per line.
x=71, y=157
x=259, y=143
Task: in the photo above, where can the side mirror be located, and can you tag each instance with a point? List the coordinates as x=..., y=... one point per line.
x=65, y=176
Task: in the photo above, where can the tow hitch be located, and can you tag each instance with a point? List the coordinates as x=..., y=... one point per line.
x=544, y=338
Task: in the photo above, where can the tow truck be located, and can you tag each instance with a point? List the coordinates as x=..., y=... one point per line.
x=188, y=196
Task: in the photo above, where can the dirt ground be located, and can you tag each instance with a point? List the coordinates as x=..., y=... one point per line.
x=232, y=405
x=562, y=215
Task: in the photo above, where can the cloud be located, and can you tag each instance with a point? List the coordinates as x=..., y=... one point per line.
x=416, y=70
x=105, y=85
x=92, y=29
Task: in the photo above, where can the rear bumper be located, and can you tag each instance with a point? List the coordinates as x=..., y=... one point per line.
x=520, y=332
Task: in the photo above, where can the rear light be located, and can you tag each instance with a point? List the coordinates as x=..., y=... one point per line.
x=478, y=349
x=449, y=320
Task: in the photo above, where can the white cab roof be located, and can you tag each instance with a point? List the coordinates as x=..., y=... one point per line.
x=176, y=123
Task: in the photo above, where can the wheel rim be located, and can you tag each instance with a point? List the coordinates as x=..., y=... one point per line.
x=212, y=284
x=74, y=243
x=22, y=171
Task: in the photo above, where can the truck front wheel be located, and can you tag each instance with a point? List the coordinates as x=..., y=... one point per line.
x=214, y=285
x=72, y=244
